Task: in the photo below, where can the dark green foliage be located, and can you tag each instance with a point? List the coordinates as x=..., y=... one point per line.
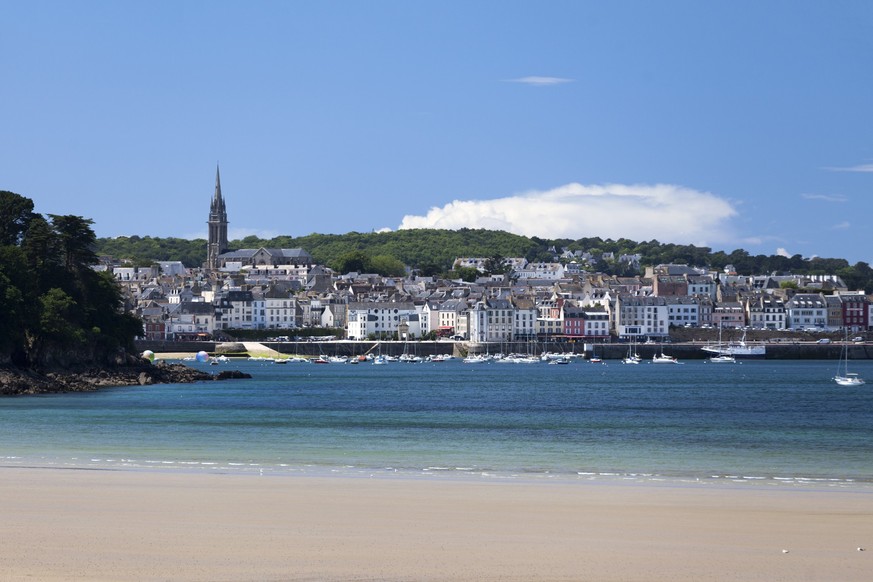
x=16, y=213
x=54, y=308
x=144, y=251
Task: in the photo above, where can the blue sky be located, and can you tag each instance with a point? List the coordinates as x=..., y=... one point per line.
x=741, y=124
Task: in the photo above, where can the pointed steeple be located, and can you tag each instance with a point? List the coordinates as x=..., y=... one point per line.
x=217, y=225
x=217, y=185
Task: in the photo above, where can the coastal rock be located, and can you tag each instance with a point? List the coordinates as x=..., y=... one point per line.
x=138, y=372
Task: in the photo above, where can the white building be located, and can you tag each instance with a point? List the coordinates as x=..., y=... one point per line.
x=492, y=320
x=807, y=311
x=525, y=325
x=541, y=271
x=766, y=312
x=641, y=316
x=381, y=319
x=683, y=311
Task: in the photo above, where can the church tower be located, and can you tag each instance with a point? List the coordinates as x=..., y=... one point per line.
x=217, y=226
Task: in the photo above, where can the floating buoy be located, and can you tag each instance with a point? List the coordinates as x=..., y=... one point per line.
x=202, y=357
x=149, y=355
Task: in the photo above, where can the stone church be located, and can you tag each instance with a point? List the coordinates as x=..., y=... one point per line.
x=220, y=258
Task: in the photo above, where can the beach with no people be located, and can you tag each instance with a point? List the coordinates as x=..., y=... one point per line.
x=70, y=524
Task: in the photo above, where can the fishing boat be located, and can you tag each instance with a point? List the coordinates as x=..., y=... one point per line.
x=737, y=349
x=844, y=377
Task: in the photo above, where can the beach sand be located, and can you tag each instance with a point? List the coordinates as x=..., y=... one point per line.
x=62, y=524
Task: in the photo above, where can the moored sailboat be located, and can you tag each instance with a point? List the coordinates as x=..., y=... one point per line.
x=844, y=377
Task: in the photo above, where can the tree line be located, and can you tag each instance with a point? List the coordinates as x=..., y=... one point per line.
x=432, y=252
x=55, y=309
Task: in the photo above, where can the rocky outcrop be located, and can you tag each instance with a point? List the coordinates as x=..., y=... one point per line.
x=15, y=381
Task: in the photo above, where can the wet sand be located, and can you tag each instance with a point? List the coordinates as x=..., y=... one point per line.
x=62, y=524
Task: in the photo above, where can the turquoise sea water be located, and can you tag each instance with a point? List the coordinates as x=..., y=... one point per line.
x=756, y=421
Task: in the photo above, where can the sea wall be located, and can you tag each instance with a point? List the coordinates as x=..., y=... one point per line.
x=609, y=351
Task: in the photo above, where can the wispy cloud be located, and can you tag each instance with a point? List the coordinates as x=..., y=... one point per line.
x=841, y=226
x=783, y=253
x=642, y=212
x=859, y=168
x=541, y=81
x=825, y=197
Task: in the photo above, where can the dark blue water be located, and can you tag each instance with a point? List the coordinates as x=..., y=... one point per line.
x=779, y=422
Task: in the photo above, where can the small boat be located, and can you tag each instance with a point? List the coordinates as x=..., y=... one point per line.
x=380, y=360
x=320, y=360
x=663, y=358
x=595, y=360
x=844, y=377
x=723, y=359
x=632, y=356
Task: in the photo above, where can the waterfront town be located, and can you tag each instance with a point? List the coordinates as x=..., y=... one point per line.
x=283, y=290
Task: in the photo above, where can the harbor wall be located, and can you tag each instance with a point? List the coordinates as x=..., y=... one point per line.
x=607, y=351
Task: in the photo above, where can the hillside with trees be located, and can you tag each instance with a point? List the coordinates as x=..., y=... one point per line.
x=432, y=252
x=55, y=309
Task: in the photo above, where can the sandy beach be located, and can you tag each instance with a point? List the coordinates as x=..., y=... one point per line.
x=60, y=524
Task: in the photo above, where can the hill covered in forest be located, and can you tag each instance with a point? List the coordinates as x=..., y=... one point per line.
x=432, y=252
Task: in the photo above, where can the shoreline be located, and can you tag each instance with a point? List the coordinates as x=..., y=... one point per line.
x=252, y=468
x=131, y=525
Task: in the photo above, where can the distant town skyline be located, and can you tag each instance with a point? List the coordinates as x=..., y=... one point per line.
x=728, y=125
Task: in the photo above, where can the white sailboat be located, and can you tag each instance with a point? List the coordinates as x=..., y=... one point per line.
x=724, y=357
x=663, y=358
x=844, y=377
x=632, y=356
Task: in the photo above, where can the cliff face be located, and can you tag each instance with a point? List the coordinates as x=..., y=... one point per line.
x=16, y=381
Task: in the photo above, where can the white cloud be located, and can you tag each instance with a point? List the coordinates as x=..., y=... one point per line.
x=665, y=212
x=841, y=226
x=541, y=81
x=384, y=229
x=859, y=168
x=825, y=197
x=783, y=253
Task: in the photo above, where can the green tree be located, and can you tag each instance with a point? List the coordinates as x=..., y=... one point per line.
x=77, y=241
x=469, y=274
x=387, y=266
x=354, y=261
x=16, y=212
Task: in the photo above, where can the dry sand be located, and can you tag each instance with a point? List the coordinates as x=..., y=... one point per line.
x=115, y=525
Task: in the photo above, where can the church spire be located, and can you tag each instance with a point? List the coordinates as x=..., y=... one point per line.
x=217, y=226
x=217, y=196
